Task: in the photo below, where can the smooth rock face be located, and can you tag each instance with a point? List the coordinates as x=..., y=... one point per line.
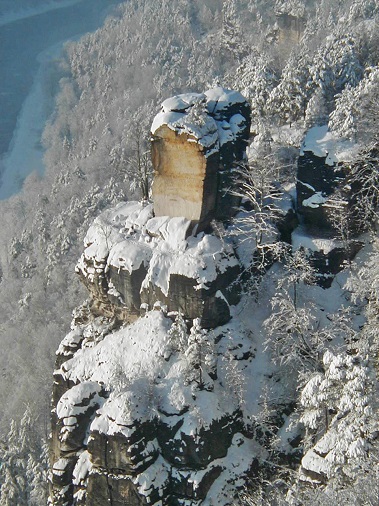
x=197, y=139
x=185, y=180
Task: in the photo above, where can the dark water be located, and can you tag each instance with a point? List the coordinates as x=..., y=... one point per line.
x=20, y=43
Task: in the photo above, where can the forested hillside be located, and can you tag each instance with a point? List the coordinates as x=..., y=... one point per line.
x=301, y=64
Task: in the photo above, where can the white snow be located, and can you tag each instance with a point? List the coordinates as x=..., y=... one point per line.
x=82, y=468
x=323, y=143
x=135, y=351
x=146, y=379
x=302, y=239
x=180, y=103
x=315, y=200
x=219, y=99
x=200, y=117
x=154, y=477
x=69, y=405
x=71, y=340
x=314, y=462
x=129, y=255
x=204, y=257
x=127, y=237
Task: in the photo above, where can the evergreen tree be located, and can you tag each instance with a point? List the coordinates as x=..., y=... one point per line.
x=339, y=412
x=289, y=99
x=23, y=471
x=256, y=78
x=200, y=358
x=232, y=43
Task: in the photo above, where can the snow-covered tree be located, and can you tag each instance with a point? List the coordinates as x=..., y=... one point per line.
x=232, y=41
x=257, y=183
x=298, y=270
x=357, y=109
x=336, y=65
x=200, y=357
x=294, y=8
x=339, y=407
x=353, y=208
x=289, y=98
x=255, y=78
x=23, y=471
x=292, y=335
x=178, y=334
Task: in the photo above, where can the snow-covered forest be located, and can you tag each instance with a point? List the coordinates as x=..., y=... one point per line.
x=321, y=342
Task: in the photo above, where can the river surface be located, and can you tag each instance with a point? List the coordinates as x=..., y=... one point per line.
x=23, y=40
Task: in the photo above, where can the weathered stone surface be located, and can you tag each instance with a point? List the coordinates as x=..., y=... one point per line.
x=210, y=304
x=185, y=179
x=291, y=28
x=117, y=490
x=197, y=138
x=188, y=451
x=128, y=285
x=122, y=453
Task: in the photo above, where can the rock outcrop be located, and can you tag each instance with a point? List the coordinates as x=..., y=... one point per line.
x=133, y=261
x=324, y=199
x=197, y=138
x=144, y=410
x=140, y=418
x=291, y=28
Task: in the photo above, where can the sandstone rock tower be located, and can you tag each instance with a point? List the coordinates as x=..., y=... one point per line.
x=196, y=140
x=135, y=419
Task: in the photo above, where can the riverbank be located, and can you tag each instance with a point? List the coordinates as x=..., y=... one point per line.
x=26, y=64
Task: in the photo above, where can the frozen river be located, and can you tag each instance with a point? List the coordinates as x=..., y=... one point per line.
x=24, y=45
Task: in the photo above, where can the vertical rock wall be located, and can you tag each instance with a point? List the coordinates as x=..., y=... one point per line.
x=197, y=139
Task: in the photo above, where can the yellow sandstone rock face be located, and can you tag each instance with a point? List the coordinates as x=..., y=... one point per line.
x=197, y=139
x=185, y=181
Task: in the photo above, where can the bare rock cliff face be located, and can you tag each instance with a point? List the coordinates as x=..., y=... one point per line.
x=197, y=138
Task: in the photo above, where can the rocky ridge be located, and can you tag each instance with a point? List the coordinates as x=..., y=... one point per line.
x=144, y=409
x=150, y=397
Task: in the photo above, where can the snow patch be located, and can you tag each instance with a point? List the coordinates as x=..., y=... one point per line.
x=325, y=144
x=301, y=239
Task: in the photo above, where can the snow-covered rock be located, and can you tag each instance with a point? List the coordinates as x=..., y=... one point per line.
x=196, y=140
x=132, y=259
x=162, y=427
